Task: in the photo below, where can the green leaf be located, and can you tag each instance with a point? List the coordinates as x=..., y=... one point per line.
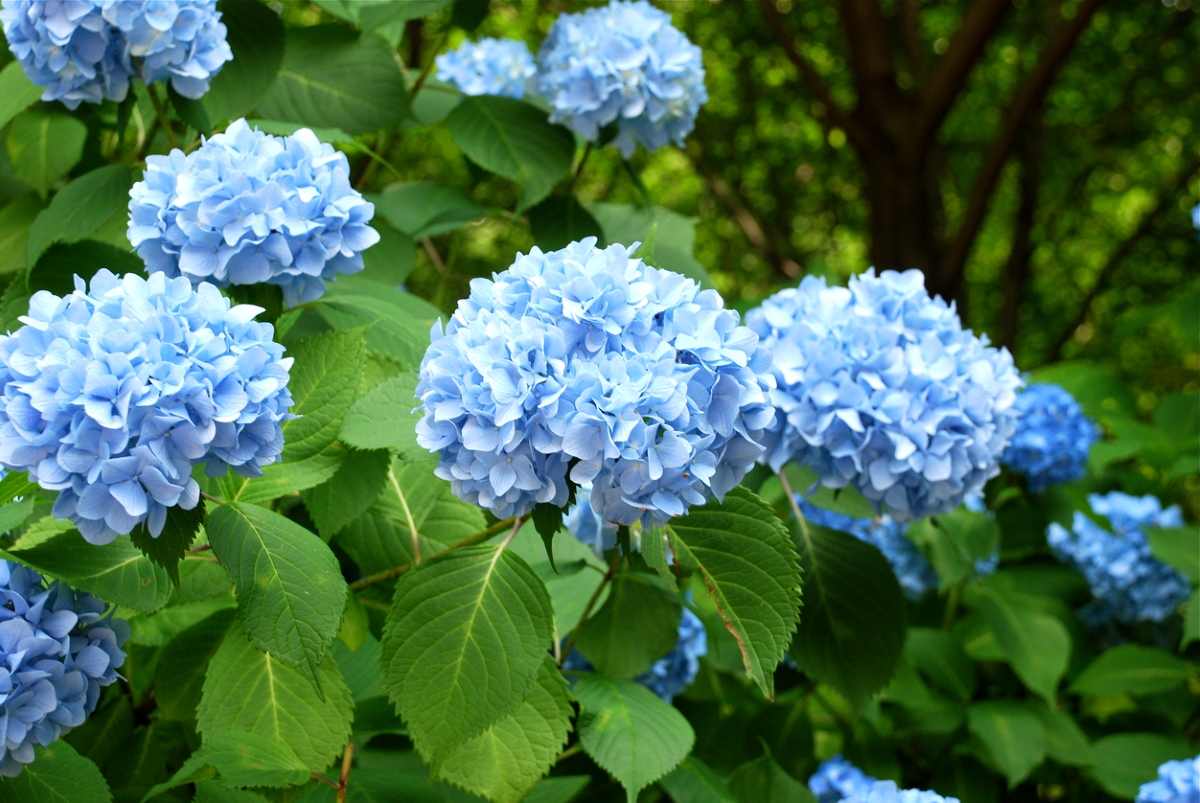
x=16, y=484
x=1037, y=645
x=1178, y=547
x=560, y=220
x=425, y=209
x=238, y=758
x=256, y=37
x=694, y=782
x=392, y=259
x=1014, y=736
x=1065, y=741
x=13, y=304
x=289, y=588
x=764, y=781
x=17, y=92
x=372, y=15
x=179, y=675
x=356, y=625
x=168, y=547
x=14, y=514
x=190, y=111
x=15, y=220
x=282, y=129
x=463, y=644
x=254, y=692
x=955, y=542
x=57, y=774
x=505, y=761
x=334, y=77
x=513, y=139
x=214, y=792
x=674, y=236
x=749, y=566
x=44, y=146
x=630, y=732
x=573, y=584
x=58, y=266
x=654, y=552
x=79, y=209
x=1191, y=620
x=559, y=789
x=158, y=629
x=1132, y=669
x=636, y=626
x=547, y=520
x=384, y=418
x=468, y=14
x=397, y=323
x=852, y=632
x=1101, y=394
x=940, y=658
x=348, y=493
x=381, y=538
x=117, y=572
x=1125, y=761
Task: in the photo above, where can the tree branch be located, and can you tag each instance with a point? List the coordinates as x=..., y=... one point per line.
x=979, y=24
x=1028, y=98
x=835, y=115
x=870, y=54
x=1016, y=270
x=910, y=28
x=1166, y=199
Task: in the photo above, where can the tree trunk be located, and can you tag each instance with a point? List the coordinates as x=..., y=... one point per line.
x=905, y=222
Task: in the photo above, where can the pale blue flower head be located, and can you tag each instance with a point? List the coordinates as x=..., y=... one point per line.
x=1178, y=782
x=879, y=386
x=58, y=647
x=111, y=395
x=590, y=361
x=888, y=792
x=179, y=40
x=1053, y=437
x=488, y=67
x=248, y=207
x=670, y=675
x=1128, y=583
x=622, y=63
x=69, y=48
x=837, y=779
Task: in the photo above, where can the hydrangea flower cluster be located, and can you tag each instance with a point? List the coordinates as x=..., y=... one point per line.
x=837, y=779
x=248, y=207
x=589, y=361
x=88, y=50
x=623, y=63
x=488, y=67
x=1178, y=782
x=888, y=792
x=111, y=395
x=1053, y=437
x=57, y=649
x=878, y=385
x=586, y=525
x=1128, y=583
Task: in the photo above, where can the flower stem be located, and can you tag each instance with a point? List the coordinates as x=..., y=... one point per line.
x=587, y=611
x=160, y=114
x=396, y=571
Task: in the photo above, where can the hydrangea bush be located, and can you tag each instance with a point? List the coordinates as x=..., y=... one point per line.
x=307, y=495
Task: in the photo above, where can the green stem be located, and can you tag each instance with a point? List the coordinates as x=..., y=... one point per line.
x=396, y=571
x=591, y=603
x=160, y=114
x=416, y=87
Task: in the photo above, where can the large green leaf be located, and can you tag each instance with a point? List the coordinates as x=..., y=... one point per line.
x=392, y=259
x=117, y=572
x=1037, y=645
x=170, y=546
x=179, y=675
x=764, y=781
x=424, y=209
x=636, y=626
x=216, y=792
x=1178, y=547
x=43, y=146
x=515, y=140
x=1014, y=736
x=15, y=220
x=79, y=209
x=256, y=37
x=59, y=264
x=463, y=645
x=350, y=492
x=1191, y=620
x=852, y=632
x=333, y=77
x=938, y=656
x=289, y=588
x=630, y=732
x=17, y=92
x=238, y=758
x=1125, y=761
x=57, y=774
x=412, y=497
x=505, y=761
x=561, y=220
x=1133, y=669
x=248, y=690
x=384, y=418
x=1066, y=743
x=674, y=235
x=576, y=578
x=749, y=566
x=398, y=323
x=956, y=542
x=693, y=781
x=380, y=13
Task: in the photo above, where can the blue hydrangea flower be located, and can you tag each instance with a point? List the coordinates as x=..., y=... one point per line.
x=180, y=40
x=488, y=67
x=57, y=649
x=1178, y=782
x=670, y=675
x=1128, y=583
x=111, y=395
x=582, y=521
x=247, y=207
x=837, y=779
x=67, y=47
x=590, y=361
x=1052, y=439
x=879, y=386
x=623, y=63
x=888, y=792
